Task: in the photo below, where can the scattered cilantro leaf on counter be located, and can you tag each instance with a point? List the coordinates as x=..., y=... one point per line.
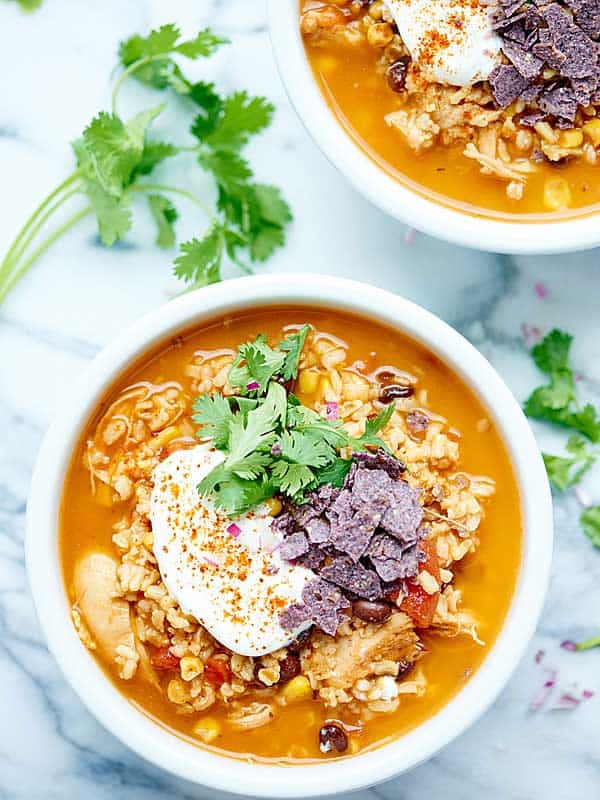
x=29, y=5
x=271, y=442
x=557, y=402
x=114, y=157
x=590, y=522
x=565, y=472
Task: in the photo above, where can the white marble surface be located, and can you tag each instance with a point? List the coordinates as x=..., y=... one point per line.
x=54, y=68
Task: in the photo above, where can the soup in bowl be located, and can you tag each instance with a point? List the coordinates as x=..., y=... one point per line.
x=291, y=531
x=486, y=109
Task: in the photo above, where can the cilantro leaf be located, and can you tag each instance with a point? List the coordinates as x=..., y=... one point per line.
x=235, y=495
x=153, y=153
x=372, y=428
x=292, y=479
x=164, y=215
x=302, y=418
x=292, y=346
x=211, y=107
x=113, y=215
x=552, y=353
x=590, y=522
x=214, y=414
x=334, y=473
x=304, y=447
x=565, y=472
x=29, y=5
x=256, y=362
x=202, y=45
x=199, y=263
x=271, y=204
x=240, y=117
x=264, y=242
x=257, y=429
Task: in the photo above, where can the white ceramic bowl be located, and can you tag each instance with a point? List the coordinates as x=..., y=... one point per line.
x=157, y=744
x=559, y=234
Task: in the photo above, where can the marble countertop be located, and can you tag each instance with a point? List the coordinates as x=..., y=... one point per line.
x=54, y=69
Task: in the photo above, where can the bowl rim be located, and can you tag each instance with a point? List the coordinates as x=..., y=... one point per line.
x=155, y=743
x=562, y=235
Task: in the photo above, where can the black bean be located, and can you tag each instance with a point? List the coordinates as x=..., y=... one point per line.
x=404, y=668
x=300, y=640
x=332, y=737
x=289, y=667
x=396, y=75
x=371, y=611
x=288, y=385
x=395, y=391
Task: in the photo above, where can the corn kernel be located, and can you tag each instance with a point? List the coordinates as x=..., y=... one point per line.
x=274, y=506
x=308, y=380
x=571, y=138
x=557, y=194
x=380, y=34
x=190, y=667
x=297, y=689
x=164, y=437
x=176, y=692
x=592, y=131
x=208, y=729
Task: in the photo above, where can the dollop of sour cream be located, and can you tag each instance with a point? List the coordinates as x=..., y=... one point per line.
x=450, y=41
x=224, y=572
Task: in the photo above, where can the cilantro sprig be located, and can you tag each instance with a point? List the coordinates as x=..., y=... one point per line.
x=557, y=402
x=272, y=443
x=115, y=155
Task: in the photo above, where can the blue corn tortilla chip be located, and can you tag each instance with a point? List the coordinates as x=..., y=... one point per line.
x=392, y=561
x=354, y=578
x=294, y=546
x=322, y=603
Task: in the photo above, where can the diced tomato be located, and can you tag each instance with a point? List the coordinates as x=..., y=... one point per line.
x=217, y=671
x=162, y=658
x=419, y=605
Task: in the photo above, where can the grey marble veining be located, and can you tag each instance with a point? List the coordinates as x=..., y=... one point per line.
x=54, y=69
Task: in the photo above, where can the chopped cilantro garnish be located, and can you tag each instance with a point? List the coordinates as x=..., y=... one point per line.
x=273, y=444
x=115, y=155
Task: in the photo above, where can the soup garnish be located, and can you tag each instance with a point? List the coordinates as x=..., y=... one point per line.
x=480, y=102
x=274, y=551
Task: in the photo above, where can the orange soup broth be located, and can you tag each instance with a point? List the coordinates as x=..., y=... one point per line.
x=487, y=578
x=358, y=94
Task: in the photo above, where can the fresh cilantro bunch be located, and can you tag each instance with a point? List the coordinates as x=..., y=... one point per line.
x=557, y=402
x=272, y=443
x=29, y=5
x=114, y=157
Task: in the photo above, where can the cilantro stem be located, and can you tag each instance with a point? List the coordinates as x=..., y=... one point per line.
x=39, y=251
x=587, y=644
x=160, y=187
x=33, y=217
x=17, y=252
x=141, y=62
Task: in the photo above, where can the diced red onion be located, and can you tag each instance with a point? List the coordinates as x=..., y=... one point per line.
x=587, y=694
x=234, y=529
x=541, y=290
x=253, y=385
x=568, y=645
x=210, y=561
x=539, y=656
x=332, y=410
x=566, y=702
x=543, y=694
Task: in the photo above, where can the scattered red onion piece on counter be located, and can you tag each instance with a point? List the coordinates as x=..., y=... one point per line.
x=539, y=656
x=541, y=290
x=568, y=645
x=409, y=237
x=544, y=693
x=332, y=410
x=234, y=530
